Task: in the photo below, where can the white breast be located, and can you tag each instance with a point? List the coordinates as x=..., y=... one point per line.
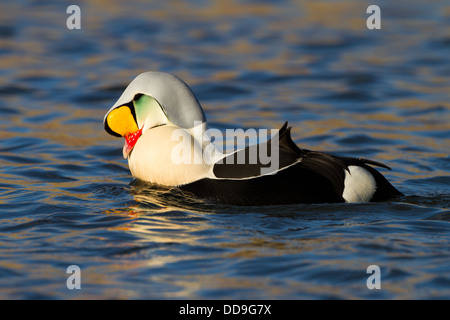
x=359, y=185
x=154, y=158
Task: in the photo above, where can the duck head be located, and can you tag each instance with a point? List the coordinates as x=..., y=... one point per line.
x=151, y=100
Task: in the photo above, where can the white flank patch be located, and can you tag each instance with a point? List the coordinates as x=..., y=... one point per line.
x=359, y=185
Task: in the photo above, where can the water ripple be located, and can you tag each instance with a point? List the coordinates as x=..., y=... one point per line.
x=67, y=197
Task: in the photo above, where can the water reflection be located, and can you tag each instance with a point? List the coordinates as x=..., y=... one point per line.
x=65, y=192
x=223, y=251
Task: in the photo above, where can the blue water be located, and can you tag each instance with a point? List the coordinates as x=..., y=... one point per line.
x=67, y=197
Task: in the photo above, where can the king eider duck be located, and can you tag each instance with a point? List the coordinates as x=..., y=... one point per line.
x=161, y=120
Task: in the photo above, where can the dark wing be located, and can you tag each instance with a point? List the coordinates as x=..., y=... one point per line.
x=303, y=176
x=291, y=185
x=297, y=179
x=334, y=167
x=250, y=161
x=330, y=167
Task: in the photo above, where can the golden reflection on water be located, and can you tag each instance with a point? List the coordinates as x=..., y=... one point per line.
x=280, y=40
x=154, y=229
x=303, y=22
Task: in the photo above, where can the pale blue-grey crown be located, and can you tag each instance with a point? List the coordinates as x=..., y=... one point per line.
x=175, y=97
